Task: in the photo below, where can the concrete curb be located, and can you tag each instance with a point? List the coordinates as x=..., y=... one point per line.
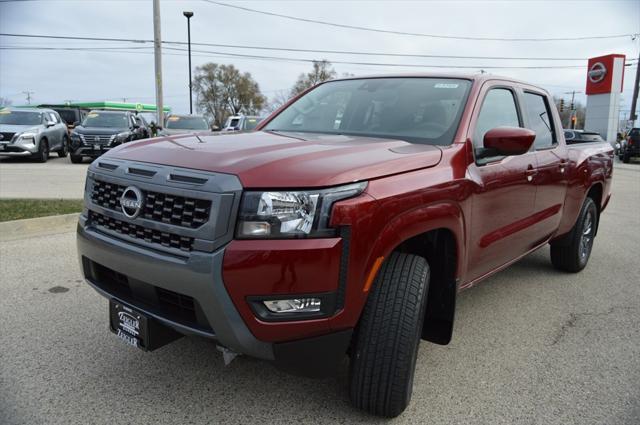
x=21, y=229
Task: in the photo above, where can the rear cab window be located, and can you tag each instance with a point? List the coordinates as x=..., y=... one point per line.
x=540, y=120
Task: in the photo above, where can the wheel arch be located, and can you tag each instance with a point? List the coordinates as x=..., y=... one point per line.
x=435, y=232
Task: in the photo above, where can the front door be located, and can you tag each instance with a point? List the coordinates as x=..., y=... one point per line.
x=504, y=193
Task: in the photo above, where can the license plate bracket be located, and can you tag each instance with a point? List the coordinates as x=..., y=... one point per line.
x=137, y=329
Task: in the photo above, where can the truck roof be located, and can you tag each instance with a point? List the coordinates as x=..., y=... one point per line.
x=479, y=77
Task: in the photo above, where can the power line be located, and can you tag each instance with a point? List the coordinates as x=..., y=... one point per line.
x=206, y=53
x=288, y=49
x=385, y=31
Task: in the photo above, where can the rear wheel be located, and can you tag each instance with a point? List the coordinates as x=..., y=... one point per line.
x=383, y=356
x=43, y=151
x=626, y=157
x=75, y=159
x=572, y=254
x=64, y=150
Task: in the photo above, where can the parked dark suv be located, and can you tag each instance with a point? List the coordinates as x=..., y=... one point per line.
x=103, y=130
x=631, y=146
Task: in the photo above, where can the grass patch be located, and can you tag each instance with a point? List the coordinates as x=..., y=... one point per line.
x=18, y=209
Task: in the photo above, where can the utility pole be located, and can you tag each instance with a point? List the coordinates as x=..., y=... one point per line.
x=634, y=100
x=28, y=94
x=157, y=55
x=188, y=15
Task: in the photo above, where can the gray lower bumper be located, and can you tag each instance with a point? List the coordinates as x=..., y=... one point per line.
x=198, y=276
x=23, y=153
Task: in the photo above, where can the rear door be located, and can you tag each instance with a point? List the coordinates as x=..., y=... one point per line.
x=551, y=156
x=504, y=197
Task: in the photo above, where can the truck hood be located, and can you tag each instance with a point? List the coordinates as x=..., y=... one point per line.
x=270, y=160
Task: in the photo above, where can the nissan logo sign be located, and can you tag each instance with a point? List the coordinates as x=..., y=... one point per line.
x=597, y=72
x=131, y=202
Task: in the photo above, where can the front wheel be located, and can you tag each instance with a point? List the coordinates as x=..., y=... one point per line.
x=383, y=356
x=43, y=151
x=75, y=159
x=572, y=254
x=64, y=150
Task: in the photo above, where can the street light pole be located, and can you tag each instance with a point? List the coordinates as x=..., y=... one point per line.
x=188, y=15
x=157, y=55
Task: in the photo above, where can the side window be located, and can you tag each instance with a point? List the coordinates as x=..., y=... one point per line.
x=539, y=120
x=498, y=110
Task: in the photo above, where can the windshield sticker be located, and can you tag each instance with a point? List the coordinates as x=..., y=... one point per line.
x=174, y=118
x=445, y=86
x=93, y=115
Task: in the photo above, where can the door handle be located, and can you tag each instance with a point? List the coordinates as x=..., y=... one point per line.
x=562, y=166
x=530, y=173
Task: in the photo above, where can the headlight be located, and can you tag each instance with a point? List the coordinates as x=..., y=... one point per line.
x=28, y=137
x=122, y=137
x=291, y=214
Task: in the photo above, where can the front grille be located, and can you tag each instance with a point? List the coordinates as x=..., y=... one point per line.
x=102, y=139
x=172, y=305
x=167, y=240
x=6, y=137
x=11, y=148
x=160, y=207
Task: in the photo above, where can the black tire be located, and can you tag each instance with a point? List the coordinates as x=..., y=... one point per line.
x=43, y=151
x=385, y=346
x=626, y=157
x=64, y=150
x=572, y=253
x=75, y=159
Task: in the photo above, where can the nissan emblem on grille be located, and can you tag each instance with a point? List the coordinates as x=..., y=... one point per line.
x=131, y=201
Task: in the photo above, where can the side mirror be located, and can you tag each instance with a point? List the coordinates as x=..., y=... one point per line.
x=509, y=141
x=51, y=123
x=136, y=126
x=76, y=123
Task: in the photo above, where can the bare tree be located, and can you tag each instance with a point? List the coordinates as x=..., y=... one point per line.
x=322, y=71
x=222, y=91
x=278, y=99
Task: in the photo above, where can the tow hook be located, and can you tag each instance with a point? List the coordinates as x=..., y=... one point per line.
x=227, y=355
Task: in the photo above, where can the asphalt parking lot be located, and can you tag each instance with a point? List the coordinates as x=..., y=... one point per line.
x=531, y=346
x=57, y=178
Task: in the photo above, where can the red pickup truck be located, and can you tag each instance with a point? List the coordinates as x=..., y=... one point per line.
x=344, y=227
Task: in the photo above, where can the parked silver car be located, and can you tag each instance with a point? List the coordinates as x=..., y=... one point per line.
x=32, y=132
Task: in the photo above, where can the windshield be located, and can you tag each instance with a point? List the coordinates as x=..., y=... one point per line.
x=20, y=117
x=68, y=115
x=187, y=123
x=97, y=119
x=417, y=110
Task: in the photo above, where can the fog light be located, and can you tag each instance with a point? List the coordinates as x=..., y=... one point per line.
x=296, y=305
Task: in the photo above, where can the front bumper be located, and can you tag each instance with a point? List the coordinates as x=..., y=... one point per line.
x=90, y=151
x=17, y=149
x=197, y=277
x=123, y=272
